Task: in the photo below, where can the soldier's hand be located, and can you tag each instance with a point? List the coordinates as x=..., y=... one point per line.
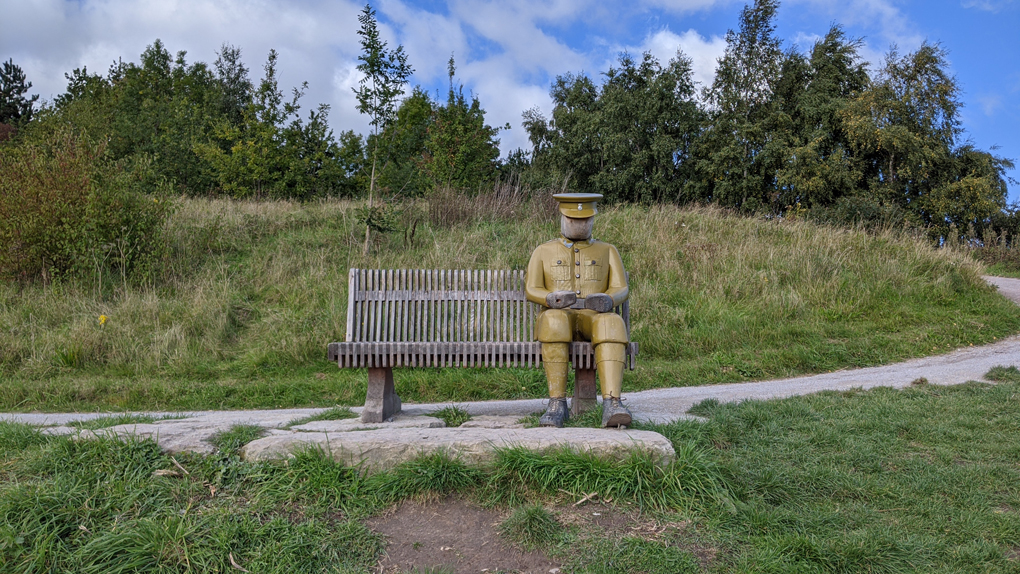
x=599, y=302
x=560, y=299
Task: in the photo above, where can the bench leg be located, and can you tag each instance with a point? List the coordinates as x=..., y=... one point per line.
x=584, y=391
x=382, y=401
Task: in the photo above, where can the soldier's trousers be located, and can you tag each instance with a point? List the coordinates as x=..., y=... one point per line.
x=557, y=328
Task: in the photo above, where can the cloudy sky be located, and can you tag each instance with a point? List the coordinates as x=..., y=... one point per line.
x=508, y=52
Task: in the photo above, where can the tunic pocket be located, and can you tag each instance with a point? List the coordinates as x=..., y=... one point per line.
x=592, y=270
x=559, y=271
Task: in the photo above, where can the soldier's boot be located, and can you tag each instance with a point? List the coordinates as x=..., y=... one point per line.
x=609, y=360
x=556, y=360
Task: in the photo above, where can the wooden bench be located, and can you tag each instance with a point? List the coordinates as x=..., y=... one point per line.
x=447, y=318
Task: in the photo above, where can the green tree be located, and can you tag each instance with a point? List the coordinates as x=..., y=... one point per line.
x=402, y=143
x=385, y=73
x=905, y=128
x=271, y=152
x=15, y=108
x=460, y=148
x=629, y=140
x=738, y=154
x=820, y=167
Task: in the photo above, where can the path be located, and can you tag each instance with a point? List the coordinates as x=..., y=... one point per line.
x=658, y=405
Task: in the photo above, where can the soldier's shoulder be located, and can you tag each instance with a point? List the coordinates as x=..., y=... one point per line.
x=602, y=244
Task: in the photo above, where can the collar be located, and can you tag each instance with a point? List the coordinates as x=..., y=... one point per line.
x=579, y=244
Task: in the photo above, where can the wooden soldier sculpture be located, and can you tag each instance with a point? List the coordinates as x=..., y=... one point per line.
x=579, y=280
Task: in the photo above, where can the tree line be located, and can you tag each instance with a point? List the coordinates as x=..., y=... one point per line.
x=779, y=131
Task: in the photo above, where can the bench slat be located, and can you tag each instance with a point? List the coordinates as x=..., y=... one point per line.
x=482, y=316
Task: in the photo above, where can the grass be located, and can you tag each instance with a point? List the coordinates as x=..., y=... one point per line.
x=230, y=441
x=332, y=414
x=922, y=479
x=121, y=419
x=453, y=416
x=532, y=526
x=251, y=294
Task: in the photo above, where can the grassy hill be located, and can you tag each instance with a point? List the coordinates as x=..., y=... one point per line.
x=251, y=293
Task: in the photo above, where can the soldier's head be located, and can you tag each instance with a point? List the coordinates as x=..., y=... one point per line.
x=577, y=214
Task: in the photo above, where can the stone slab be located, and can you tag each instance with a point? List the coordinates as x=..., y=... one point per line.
x=383, y=449
x=349, y=425
x=493, y=422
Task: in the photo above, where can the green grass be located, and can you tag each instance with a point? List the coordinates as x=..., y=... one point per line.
x=231, y=440
x=532, y=526
x=333, y=414
x=252, y=292
x=453, y=416
x=922, y=479
x=122, y=419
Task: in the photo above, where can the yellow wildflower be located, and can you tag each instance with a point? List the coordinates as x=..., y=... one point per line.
x=102, y=319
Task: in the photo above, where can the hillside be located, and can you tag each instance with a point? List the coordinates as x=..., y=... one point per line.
x=251, y=293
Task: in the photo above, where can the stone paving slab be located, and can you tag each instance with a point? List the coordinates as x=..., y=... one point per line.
x=382, y=449
x=400, y=421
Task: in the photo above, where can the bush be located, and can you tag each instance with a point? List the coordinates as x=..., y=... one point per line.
x=67, y=210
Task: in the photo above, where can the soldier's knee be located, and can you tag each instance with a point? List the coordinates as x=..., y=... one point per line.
x=608, y=328
x=553, y=326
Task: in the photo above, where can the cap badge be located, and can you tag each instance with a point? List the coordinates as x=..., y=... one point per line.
x=579, y=207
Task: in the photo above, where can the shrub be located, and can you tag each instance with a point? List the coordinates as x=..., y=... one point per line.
x=67, y=210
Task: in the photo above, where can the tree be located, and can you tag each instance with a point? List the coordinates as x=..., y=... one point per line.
x=235, y=86
x=737, y=155
x=402, y=143
x=905, y=128
x=15, y=108
x=271, y=152
x=820, y=167
x=629, y=139
x=460, y=148
x=385, y=73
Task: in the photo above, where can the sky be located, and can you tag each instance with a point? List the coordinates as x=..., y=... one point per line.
x=508, y=53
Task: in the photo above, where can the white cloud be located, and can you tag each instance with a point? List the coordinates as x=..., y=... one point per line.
x=988, y=5
x=890, y=26
x=703, y=52
x=990, y=104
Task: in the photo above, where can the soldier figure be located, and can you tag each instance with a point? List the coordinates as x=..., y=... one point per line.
x=579, y=280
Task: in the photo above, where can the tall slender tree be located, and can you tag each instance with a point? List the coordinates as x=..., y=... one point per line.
x=385, y=73
x=15, y=108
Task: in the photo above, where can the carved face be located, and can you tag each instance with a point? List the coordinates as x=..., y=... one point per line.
x=576, y=229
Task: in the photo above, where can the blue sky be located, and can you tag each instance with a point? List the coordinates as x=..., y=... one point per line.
x=508, y=52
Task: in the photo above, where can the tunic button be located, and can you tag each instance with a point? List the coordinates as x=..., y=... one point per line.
x=577, y=262
x=578, y=292
x=577, y=250
x=578, y=275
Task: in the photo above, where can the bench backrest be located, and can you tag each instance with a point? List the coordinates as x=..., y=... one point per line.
x=441, y=305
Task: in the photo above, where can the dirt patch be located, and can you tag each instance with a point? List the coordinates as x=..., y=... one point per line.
x=464, y=538
x=453, y=534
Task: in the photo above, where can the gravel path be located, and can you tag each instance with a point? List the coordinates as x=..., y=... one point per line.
x=664, y=405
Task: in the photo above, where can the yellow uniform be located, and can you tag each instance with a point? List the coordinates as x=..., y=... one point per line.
x=586, y=268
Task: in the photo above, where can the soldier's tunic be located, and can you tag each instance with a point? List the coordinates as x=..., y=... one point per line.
x=586, y=268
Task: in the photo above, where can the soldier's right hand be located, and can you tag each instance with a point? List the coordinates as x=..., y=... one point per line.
x=560, y=299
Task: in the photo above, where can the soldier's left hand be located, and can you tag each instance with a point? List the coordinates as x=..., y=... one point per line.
x=599, y=302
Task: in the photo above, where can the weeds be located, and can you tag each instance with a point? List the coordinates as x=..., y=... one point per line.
x=121, y=419
x=453, y=416
x=532, y=527
x=332, y=414
x=231, y=441
x=1001, y=374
